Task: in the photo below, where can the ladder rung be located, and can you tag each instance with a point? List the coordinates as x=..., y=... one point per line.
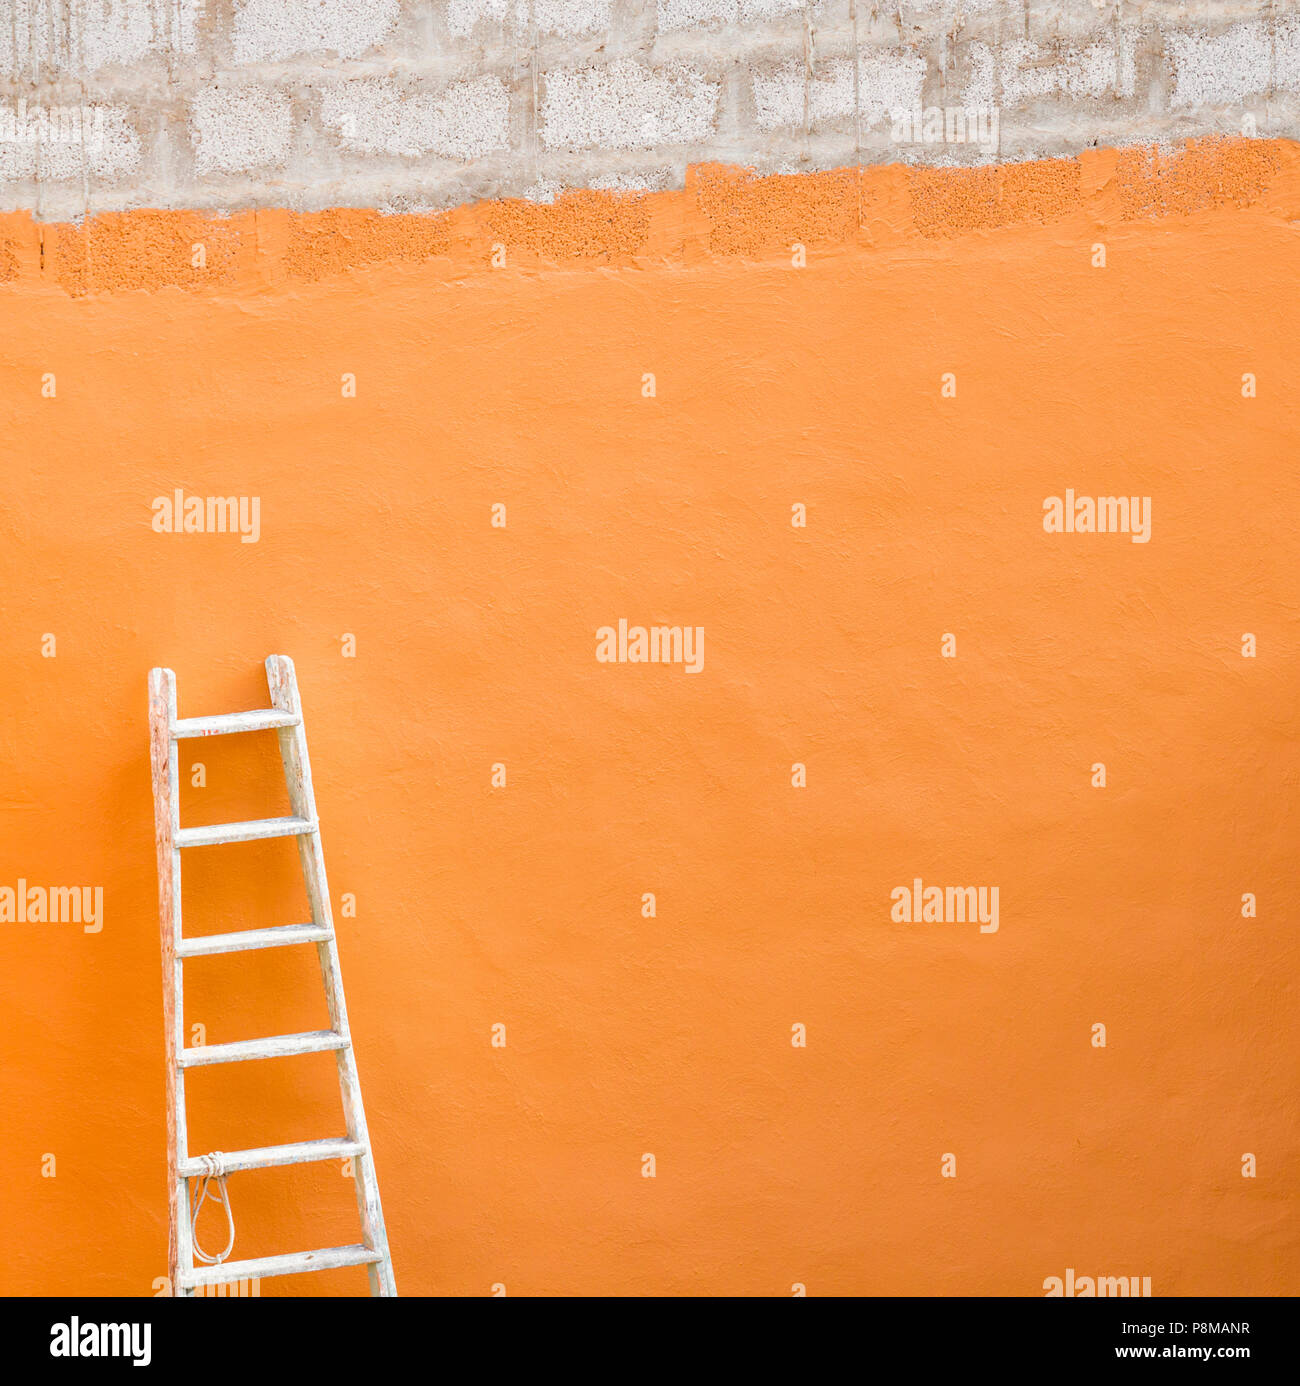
x=297, y=1263
x=261, y=719
x=268, y=1156
x=273, y=1047
x=239, y=942
x=215, y=833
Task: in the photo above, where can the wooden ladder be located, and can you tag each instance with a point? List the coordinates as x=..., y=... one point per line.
x=284, y=717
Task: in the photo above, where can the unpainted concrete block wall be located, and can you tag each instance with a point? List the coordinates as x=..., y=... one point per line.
x=408, y=105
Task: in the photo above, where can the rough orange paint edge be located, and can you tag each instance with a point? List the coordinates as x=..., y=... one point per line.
x=722, y=211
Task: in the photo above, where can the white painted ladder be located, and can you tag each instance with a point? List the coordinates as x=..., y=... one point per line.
x=284, y=717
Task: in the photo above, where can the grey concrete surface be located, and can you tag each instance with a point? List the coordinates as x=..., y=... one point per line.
x=422, y=104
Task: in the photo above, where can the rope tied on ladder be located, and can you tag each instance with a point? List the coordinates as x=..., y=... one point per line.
x=214, y=1171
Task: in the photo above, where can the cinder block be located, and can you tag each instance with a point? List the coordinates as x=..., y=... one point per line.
x=273, y=30
x=627, y=105
x=377, y=115
x=238, y=126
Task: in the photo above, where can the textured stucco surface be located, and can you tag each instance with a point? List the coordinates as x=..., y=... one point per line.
x=415, y=104
x=521, y=904
x=723, y=211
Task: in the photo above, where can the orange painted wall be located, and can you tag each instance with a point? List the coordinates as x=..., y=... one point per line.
x=475, y=645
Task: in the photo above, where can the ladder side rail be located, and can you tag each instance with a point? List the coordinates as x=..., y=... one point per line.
x=283, y=684
x=166, y=796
